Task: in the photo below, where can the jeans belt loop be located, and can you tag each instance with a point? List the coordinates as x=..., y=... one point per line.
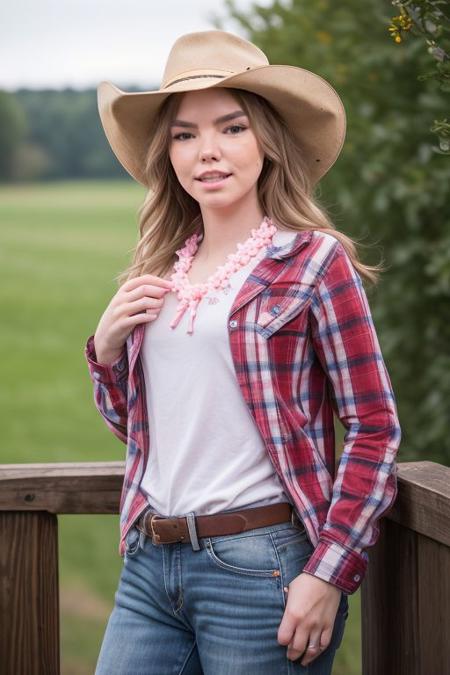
x=141, y=539
x=294, y=519
x=190, y=519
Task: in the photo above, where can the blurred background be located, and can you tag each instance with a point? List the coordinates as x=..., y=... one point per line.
x=68, y=215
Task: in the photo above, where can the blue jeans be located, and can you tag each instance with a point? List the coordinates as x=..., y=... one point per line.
x=213, y=611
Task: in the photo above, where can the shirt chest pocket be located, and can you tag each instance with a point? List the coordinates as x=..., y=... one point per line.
x=280, y=303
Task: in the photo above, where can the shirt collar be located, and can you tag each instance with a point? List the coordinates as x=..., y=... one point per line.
x=291, y=247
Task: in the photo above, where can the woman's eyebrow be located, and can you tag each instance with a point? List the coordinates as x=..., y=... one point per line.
x=223, y=118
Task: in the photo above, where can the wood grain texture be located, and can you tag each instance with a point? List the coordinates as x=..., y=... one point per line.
x=405, y=595
x=29, y=597
x=73, y=487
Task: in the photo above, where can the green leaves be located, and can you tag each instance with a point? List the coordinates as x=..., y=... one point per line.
x=390, y=186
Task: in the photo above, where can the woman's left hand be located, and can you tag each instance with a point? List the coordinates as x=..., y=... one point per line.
x=309, y=616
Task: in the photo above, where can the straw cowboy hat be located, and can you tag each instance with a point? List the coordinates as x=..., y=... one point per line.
x=215, y=58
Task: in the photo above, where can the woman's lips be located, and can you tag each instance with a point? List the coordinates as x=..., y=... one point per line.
x=214, y=182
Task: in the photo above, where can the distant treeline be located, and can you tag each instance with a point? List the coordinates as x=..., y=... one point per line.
x=54, y=134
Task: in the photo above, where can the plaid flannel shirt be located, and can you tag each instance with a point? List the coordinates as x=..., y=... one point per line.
x=304, y=345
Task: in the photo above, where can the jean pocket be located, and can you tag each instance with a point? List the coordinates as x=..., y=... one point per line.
x=248, y=555
x=291, y=534
x=132, y=542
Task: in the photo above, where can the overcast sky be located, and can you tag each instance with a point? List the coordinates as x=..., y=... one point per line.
x=78, y=43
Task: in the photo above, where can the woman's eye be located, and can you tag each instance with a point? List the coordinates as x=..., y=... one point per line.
x=186, y=133
x=183, y=133
x=236, y=126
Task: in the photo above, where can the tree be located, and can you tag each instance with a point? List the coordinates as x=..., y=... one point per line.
x=12, y=130
x=388, y=184
x=425, y=19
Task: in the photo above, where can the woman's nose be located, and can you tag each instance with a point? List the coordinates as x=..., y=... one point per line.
x=209, y=149
x=207, y=155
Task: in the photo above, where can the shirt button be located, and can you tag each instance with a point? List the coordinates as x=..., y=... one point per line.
x=356, y=577
x=276, y=309
x=233, y=323
x=97, y=376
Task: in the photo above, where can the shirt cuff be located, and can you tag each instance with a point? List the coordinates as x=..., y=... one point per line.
x=109, y=373
x=337, y=565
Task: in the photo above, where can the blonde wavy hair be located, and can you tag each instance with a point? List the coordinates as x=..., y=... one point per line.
x=169, y=214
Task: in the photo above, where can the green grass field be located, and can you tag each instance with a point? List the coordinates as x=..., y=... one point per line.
x=61, y=247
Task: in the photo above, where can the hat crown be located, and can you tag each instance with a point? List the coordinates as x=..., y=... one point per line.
x=215, y=53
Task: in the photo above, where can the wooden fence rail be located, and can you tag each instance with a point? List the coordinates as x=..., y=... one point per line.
x=405, y=596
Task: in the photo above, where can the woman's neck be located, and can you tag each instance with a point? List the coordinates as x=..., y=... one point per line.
x=222, y=234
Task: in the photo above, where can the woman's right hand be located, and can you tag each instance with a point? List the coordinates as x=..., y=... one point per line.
x=138, y=300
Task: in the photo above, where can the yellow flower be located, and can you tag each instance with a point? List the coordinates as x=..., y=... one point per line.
x=399, y=24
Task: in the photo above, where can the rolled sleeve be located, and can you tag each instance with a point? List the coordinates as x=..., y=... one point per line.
x=106, y=373
x=110, y=389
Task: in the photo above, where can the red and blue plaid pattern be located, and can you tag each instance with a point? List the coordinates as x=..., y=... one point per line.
x=304, y=345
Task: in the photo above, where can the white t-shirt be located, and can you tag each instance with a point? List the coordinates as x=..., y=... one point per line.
x=206, y=453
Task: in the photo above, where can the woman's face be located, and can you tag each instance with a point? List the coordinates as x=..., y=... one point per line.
x=201, y=142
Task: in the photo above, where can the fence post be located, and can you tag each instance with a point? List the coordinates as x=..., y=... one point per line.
x=29, y=593
x=405, y=595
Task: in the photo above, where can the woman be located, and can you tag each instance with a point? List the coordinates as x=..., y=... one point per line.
x=238, y=329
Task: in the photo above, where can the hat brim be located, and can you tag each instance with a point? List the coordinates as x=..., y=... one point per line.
x=310, y=106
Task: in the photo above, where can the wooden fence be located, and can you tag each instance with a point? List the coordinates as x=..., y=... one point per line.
x=405, y=595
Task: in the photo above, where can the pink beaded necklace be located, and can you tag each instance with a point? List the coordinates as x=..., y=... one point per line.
x=190, y=295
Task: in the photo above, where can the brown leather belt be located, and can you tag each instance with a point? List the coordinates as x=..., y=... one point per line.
x=168, y=530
